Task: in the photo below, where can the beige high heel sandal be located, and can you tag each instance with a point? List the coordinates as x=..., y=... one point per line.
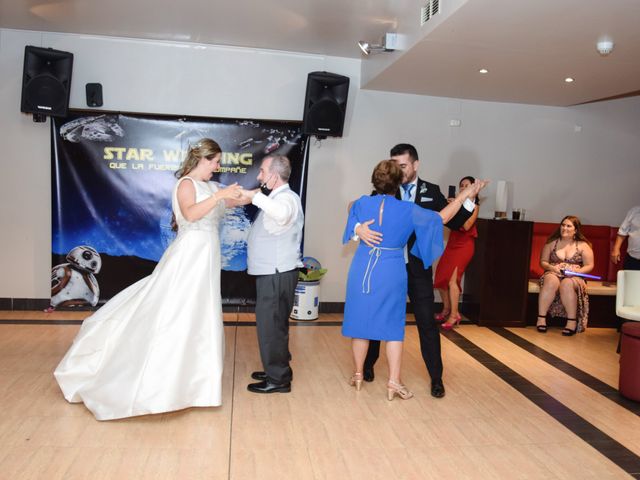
x=394, y=389
x=356, y=380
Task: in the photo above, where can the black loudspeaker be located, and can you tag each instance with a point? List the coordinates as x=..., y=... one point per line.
x=94, y=94
x=46, y=81
x=325, y=104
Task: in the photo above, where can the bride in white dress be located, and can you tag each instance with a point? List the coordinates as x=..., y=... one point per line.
x=158, y=345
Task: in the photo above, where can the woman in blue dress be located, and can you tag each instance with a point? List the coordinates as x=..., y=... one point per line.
x=375, y=306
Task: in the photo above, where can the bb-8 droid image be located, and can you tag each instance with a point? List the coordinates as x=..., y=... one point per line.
x=74, y=284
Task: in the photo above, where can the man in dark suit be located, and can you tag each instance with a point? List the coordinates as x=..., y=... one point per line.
x=420, y=280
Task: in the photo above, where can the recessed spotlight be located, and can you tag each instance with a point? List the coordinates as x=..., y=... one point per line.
x=483, y=70
x=568, y=80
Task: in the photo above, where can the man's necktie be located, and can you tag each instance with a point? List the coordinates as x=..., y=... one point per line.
x=407, y=187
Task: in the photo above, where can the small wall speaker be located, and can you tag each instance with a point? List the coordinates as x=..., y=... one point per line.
x=325, y=104
x=94, y=94
x=46, y=81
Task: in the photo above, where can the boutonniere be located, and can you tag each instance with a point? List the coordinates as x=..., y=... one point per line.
x=423, y=188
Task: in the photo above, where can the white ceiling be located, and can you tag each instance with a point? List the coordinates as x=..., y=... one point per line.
x=528, y=46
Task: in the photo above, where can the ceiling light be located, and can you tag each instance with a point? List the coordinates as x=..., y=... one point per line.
x=388, y=44
x=568, y=80
x=483, y=70
x=604, y=46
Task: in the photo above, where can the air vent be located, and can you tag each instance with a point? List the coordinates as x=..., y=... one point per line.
x=431, y=8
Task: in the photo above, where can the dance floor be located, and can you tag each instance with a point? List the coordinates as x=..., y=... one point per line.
x=519, y=405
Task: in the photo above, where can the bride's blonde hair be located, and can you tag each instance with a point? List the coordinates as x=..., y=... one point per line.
x=205, y=147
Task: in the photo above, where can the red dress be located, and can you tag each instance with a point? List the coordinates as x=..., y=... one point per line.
x=458, y=253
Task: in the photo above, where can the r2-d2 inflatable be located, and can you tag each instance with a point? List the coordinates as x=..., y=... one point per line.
x=305, y=301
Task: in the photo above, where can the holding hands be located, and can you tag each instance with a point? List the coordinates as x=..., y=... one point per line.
x=232, y=192
x=248, y=195
x=472, y=191
x=448, y=212
x=235, y=195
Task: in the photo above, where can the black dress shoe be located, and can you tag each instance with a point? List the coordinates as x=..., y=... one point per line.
x=368, y=375
x=268, y=387
x=262, y=376
x=437, y=389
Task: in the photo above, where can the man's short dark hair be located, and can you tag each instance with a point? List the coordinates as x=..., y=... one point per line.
x=403, y=148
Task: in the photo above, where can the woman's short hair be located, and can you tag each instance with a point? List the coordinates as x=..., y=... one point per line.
x=386, y=177
x=281, y=166
x=578, y=236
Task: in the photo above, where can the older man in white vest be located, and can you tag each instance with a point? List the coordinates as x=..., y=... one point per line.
x=273, y=257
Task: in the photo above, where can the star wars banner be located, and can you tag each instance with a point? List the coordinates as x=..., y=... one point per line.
x=113, y=176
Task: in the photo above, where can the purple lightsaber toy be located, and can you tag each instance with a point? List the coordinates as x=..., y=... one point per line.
x=569, y=273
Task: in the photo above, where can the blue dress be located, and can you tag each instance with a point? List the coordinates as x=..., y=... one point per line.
x=375, y=306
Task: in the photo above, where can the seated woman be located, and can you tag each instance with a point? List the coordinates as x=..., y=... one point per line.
x=563, y=295
x=454, y=261
x=375, y=305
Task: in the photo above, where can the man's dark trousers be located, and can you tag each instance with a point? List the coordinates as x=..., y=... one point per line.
x=274, y=301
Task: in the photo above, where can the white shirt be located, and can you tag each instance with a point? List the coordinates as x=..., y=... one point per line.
x=280, y=210
x=274, y=239
x=631, y=228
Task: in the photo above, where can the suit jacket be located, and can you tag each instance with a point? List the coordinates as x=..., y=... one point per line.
x=429, y=196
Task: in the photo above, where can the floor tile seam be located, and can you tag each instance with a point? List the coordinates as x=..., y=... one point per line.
x=550, y=357
x=520, y=364
x=595, y=384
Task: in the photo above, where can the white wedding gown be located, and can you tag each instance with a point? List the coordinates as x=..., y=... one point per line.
x=158, y=345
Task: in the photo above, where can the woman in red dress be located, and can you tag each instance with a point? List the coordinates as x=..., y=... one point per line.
x=453, y=263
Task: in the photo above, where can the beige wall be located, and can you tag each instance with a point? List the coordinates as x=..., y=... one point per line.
x=552, y=168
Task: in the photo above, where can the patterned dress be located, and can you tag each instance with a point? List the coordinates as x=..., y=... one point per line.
x=557, y=309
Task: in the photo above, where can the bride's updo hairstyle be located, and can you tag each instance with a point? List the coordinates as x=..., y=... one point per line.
x=386, y=177
x=205, y=147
